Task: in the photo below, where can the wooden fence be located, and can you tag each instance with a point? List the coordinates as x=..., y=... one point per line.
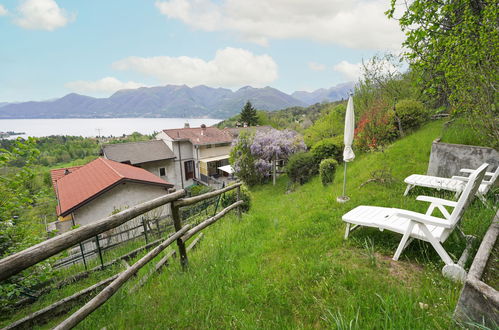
x=20, y=261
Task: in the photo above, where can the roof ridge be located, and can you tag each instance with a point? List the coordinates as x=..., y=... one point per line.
x=118, y=144
x=65, y=168
x=181, y=128
x=112, y=168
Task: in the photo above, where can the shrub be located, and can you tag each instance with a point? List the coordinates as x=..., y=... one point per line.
x=327, y=170
x=230, y=197
x=327, y=125
x=376, y=127
x=198, y=190
x=412, y=113
x=328, y=148
x=301, y=167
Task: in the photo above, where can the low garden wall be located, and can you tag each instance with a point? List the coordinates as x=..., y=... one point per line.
x=447, y=159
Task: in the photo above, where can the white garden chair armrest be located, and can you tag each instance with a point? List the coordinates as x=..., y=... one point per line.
x=468, y=170
x=436, y=200
x=461, y=178
x=423, y=218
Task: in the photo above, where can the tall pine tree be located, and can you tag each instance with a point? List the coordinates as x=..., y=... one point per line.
x=249, y=115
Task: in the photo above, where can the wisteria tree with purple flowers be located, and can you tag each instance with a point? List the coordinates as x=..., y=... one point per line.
x=252, y=154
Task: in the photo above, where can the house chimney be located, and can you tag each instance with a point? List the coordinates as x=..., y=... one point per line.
x=203, y=129
x=186, y=125
x=66, y=172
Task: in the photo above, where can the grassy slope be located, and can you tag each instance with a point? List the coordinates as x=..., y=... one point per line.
x=285, y=265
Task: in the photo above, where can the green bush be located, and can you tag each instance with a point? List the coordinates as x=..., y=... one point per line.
x=230, y=197
x=328, y=148
x=327, y=125
x=198, y=190
x=327, y=170
x=412, y=113
x=375, y=127
x=301, y=167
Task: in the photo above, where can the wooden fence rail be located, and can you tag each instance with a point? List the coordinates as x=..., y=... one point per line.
x=111, y=289
x=19, y=261
x=37, y=253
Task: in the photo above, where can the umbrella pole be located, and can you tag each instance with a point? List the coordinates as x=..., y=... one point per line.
x=344, y=198
x=345, y=180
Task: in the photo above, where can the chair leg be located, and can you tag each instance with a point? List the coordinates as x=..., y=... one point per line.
x=347, y=231
x=404, y=242
x=409, y=187
x=436, y=245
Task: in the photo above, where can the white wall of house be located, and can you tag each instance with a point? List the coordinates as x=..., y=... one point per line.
x=215, y=151
x=163, y=136
x=121, y=197
x=168, y=165
x=186, y=149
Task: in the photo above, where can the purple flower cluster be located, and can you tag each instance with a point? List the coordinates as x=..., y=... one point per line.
x=270, y=144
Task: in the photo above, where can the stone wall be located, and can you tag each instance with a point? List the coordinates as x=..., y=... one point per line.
x=447, y=159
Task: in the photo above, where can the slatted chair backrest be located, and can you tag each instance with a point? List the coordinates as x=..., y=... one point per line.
x=468, y=194
x=491, y=182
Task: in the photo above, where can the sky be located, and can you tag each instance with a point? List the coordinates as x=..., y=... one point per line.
x=49, y=48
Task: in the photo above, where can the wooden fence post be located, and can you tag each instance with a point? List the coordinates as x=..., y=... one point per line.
x=181, y=246
x=145, y=230
x=99, y=249
x=238, y=199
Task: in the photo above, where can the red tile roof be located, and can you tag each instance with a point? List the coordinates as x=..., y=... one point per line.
x=89, y=181
x=60, y=172
x=200, y=136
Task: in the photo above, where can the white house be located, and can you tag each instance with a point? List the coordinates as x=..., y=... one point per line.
x=199, y=152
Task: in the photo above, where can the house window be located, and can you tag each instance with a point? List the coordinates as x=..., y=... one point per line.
x=189, y=169
x=208, y=146
x=162, y=171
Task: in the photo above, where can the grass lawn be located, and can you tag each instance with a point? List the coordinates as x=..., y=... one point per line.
x=286, y=265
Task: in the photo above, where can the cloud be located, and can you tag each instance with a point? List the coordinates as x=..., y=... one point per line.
x=3, y=11
x=349, y=71
x=42, y=15
x=359, y=24
x=231, y=67
x=316, y=66
x=105, y=85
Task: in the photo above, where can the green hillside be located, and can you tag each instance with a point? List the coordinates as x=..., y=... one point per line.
x=286, y=265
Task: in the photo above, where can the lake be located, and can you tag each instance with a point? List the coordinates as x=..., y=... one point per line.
x=96, y=126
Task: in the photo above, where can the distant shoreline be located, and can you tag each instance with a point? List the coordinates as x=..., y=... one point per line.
x=33, y=118
x=92, y=127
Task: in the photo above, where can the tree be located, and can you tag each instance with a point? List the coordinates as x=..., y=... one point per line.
x=15, y=189
x=243, y=162
x=453, y=49
x=249, y=115
x=252, y=154
x=17, y=230
x=329, y=125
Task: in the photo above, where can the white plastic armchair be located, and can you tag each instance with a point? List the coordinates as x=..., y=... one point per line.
x=414, y=225
x=456, y=183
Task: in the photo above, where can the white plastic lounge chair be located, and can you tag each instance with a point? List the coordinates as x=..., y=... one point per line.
x=455, y=184
x=426, y=227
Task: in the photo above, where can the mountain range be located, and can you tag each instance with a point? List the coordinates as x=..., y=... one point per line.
x=171, y=101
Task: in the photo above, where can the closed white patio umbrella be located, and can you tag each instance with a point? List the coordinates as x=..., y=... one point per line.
x=348, y=154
